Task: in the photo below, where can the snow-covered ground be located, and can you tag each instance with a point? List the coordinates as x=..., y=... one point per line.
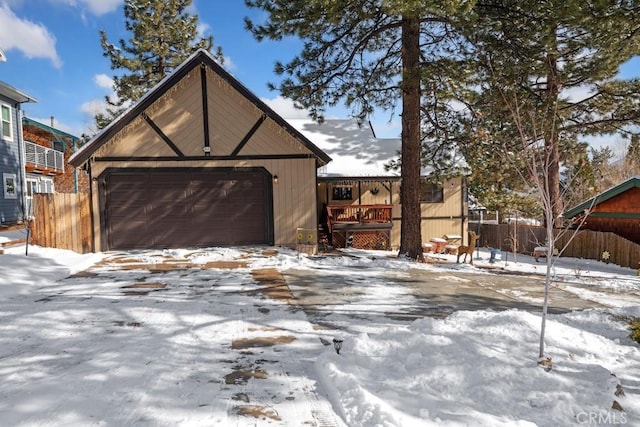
x=194, y=337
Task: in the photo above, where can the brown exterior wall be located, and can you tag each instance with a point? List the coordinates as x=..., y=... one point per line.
x=66, y=182
x=627, y=228
x=625, y=203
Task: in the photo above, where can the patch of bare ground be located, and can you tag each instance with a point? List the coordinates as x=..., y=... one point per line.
x=135, y=293
x=265, y=328
x=244, y=343
x=229, y=265
x=146, y=285
x=257, y=411
x=158, y=267
x=269, y=252
x=241, y=376
x=83, y=274
x=273, y=284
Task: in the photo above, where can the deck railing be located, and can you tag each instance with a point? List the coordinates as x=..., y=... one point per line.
x=42, y=158
x=359, y=214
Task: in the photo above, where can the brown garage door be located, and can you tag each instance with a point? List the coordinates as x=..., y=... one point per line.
x=157, y=208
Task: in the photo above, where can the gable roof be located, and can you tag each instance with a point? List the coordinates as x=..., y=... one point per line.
x=355, y=150
x=15, y=94
x=630, y=183
x=200, y=57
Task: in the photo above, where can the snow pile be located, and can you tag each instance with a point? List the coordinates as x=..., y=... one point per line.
x=478, y=368
x=84, y=350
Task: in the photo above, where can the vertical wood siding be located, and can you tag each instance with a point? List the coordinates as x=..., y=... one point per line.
x=62, y=221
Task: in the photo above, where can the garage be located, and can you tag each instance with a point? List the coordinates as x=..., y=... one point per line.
x=199, y=161
x=187, y=207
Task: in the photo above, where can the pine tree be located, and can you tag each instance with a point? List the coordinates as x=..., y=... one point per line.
x=163, y=35
x=366, y=54
x=533, y=53
x=632, y=159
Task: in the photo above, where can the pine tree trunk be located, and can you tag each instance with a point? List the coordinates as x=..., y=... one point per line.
x=410, y=235
x=551, y=136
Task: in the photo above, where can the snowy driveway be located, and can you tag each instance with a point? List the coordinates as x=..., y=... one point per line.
x=243, y=337
x=429, y=293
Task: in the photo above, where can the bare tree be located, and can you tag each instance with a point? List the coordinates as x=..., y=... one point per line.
x=532, y=129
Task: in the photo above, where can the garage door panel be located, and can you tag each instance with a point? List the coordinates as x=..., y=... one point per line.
x=181, y=208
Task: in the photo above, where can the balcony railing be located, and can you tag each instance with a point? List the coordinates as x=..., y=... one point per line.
x=360, y=226
x=43, y=159
x=364, y=214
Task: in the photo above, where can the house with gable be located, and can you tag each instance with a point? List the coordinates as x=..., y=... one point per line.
x=199, y=160
x=362, y=194
x=12, y=165
x=47, y=150
x=615, y=210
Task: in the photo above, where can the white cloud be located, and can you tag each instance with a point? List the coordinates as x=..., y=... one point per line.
x=103, y=81
x=93, y=107
x=202, y=28
x=96, y=7
x=33, y=40
x=100, y=7
x=285, y=108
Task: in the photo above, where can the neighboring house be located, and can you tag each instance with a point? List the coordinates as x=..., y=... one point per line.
x=47, y=150
x=363, y=197
x=200, y=161
x=616, y=210
x=12, y=163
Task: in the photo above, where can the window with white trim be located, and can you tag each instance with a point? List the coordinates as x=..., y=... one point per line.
x=10, y=181
x=46, y=185
x=7, y=132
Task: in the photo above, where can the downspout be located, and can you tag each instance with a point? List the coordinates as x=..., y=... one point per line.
x=22, y=165
x=75, y=170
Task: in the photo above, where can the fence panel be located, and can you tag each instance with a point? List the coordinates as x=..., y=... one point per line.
x=62, y=221
x=587, y=244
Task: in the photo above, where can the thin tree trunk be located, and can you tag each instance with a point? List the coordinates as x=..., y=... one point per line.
x=410, y=234
x=551, y=135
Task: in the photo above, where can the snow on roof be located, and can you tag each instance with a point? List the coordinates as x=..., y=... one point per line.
x=355, y=151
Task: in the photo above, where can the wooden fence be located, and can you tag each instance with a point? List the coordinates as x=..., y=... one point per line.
x=585, y=244
x=62, y=221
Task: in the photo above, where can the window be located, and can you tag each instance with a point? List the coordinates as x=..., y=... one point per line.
x=6, y=122
x=431, y=193
x=46, y=185
x=32, y=187
x=10, y=185
x=342, y=192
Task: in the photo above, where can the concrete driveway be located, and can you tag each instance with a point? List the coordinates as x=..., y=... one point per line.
x=433, y=293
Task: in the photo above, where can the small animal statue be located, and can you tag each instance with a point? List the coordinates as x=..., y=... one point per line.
x=468, y=250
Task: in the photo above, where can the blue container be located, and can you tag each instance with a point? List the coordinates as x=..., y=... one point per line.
x=495, y=255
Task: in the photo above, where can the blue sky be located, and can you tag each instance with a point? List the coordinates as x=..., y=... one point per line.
x=54, y=54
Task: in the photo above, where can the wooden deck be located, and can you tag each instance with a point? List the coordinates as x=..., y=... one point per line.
x=360, y=226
